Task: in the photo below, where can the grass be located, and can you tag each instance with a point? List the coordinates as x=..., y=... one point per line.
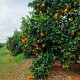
x=18, y=58
x=10, y=67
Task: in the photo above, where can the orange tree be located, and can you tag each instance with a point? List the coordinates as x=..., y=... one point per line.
x=14, y=43
x=53, y=33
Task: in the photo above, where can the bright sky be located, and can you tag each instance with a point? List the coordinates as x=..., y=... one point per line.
x=11, y=12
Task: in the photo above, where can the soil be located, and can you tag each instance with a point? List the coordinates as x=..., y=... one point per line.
x=20, y=71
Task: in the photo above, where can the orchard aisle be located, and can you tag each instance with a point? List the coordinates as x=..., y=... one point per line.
x=19, y=71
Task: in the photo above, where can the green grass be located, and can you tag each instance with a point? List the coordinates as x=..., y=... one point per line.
x=18, y=58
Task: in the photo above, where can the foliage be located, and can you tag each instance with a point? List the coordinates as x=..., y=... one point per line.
x=1, y=45
x=41, y=66
x=14, y=43
x=55, y=29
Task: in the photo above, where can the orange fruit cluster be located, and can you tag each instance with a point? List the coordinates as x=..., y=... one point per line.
x=24, y=40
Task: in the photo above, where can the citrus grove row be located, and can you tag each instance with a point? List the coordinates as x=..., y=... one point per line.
x=52, y=32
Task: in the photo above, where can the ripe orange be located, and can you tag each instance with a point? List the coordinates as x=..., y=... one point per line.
x=68, y=7
x=26, y=39
x=37, y=4
x=37, y=45
x=51, y=14
x=56, y=22
x=38, y=41
x=56, y=15
x=60, y=16
x=33, y=50
x=23, y=41
x=76, y=11
x=43, y=4
x=42, y=34
x=65, y=10
x=40, y=12
x=59, y=47
x=48, y=73
x=28, y=77
x=43, y=45
x=73, y=33
x=71, y=19
x=62, y=39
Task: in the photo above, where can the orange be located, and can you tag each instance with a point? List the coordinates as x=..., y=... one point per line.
x=56, y=22
x=23, y=41
x=62, y=39
x=37, y=4
x=68, y=7
x=33, y=50
x=42, y=34
x=48, y=73
x=71, y=19
x=79, y=33
x=38, y=41
x=43, y=45
x=76, y=11
x=37, y=45
x=40, y=12
x=26, y=39
x=56, y=15
x=60, y=16
x=73, y=33
x=28, y=77
x=51, y=14
x=59, y=47
x=43, y=5
x=65, y=10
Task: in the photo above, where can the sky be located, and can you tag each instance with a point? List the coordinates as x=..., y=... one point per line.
x=11, y=12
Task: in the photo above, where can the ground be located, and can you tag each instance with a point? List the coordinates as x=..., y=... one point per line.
x=14, y=69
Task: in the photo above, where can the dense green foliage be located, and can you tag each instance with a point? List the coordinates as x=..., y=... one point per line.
x=1, y=45
x=56, y=30
x=14, y=43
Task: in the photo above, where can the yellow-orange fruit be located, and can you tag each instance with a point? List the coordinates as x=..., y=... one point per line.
x=40, y=12
x=43, y=4
x=56, y=15
x=38, y=41
x=26, y=39
x=65, y=10
x=48, y=73
x=28, y=77
x=79, y=33
x=51, y=14
x=71, y=19
x=62, y=39
x=23, y=41
x=43, y=45
x=73, y=33
x=37, y=4
x=33, y=50
x=42, y=34
x=59, y=47
x=56, y=22
x=76, y=11
x=60, y=16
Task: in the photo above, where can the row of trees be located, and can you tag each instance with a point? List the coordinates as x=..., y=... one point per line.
x=51, y=33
